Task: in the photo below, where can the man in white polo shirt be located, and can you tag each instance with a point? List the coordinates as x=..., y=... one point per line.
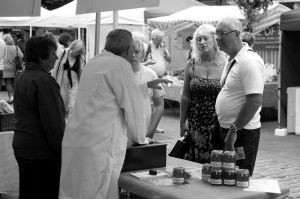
x=239, y=103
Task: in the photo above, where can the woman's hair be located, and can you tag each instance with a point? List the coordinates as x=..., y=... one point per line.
x=118, y=41
x=139, y=45
x=8, y=39
x=196, y=54
x=157, y=33
x=38, y=47
x=76, y=48
x=64, y=39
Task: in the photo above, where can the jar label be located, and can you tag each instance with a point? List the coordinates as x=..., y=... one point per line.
x=178, y=180
x=228, y=164
x=242, y=184
x=229, y=182
x=206, y=177
x=215, y=181
x=218, y=164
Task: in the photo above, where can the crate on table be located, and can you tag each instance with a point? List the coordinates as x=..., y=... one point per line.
x=7, y=121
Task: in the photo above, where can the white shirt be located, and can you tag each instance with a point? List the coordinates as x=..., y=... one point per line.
x=158, y=56
x=142, y=77
x=244, y=78
x=108, y=106
x=3, y=53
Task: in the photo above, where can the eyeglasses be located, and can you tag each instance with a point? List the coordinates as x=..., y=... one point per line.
x=224, y=34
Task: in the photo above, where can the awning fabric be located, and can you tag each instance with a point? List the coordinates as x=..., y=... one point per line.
x=290, y=21
x=196, y=14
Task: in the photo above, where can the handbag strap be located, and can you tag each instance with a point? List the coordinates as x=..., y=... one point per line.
x=58, y=66
x=17, y=51
x=231, y=65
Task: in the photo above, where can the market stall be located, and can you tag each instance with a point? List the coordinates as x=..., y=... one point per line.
x=194, y=188
x=65, y=18
x=289, y=70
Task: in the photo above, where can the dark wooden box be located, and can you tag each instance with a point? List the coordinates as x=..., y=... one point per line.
x=145, y=157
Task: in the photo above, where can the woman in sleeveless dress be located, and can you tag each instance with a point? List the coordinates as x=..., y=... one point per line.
x=200, y=90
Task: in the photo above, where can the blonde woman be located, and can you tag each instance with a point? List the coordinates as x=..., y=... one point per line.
x=67, y=71
x=9, y=72
x=200, y=90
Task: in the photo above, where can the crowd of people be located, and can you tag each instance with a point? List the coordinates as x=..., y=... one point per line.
x=75, y=119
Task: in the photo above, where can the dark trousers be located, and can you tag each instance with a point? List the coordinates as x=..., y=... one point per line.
x=249, y=140
x=39, y=179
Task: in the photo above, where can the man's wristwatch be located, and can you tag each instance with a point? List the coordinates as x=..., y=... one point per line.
x=233, y=128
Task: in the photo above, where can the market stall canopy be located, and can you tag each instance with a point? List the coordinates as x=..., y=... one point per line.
x=92, y=6
x=20, y=8
x=167, y=7
x=65, y=16
x=197, y=15
x=290, y=21
x=272, y=16
x=23, y=21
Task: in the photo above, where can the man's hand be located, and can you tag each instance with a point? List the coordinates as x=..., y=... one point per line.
x=183, y=129
x=230, y=140
x=149, y=62
x=154, y=84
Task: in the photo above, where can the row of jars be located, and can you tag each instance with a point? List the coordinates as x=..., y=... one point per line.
x=217, y=175
x=226, y=159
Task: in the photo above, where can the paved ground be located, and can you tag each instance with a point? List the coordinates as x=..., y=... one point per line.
x=278, y=157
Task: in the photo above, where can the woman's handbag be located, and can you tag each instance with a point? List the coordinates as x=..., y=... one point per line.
x=182, y=146
x=18, y=63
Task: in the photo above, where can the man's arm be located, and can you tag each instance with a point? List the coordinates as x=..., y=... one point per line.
x=250, y=107
x=158, y=111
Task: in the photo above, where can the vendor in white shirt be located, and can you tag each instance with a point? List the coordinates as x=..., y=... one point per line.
x=156, y=54
x=108, y=109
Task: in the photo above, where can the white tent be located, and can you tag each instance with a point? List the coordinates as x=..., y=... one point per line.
x=65, y=17
x=197, y=14
x=13, y=8
x=167, y=7
x=271, y=17
x=22, y=21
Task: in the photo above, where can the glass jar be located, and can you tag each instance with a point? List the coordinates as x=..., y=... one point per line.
x=229, y=176
x=242, y=178
x=216, y=175
x=229, y=159
x=178, y=175
x=216, y=158
x=206, y=172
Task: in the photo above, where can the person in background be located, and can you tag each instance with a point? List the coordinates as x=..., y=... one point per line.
x=40, y=123
x=64, y=40
x=3, y=54
x=67, y=71
x=239, y=102
x=9, y=72
x=156, y=54
x=188, y=40
x=51, y=36
x=108, y=109
x=200, y=90
x=151, y=97
x=249, y=38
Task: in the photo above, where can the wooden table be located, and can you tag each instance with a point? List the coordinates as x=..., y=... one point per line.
x=195, y=189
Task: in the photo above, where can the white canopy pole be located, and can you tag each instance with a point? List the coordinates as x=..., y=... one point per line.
x=78, y=33
x=30, y=31
x=97, y=32
x=115, y=19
